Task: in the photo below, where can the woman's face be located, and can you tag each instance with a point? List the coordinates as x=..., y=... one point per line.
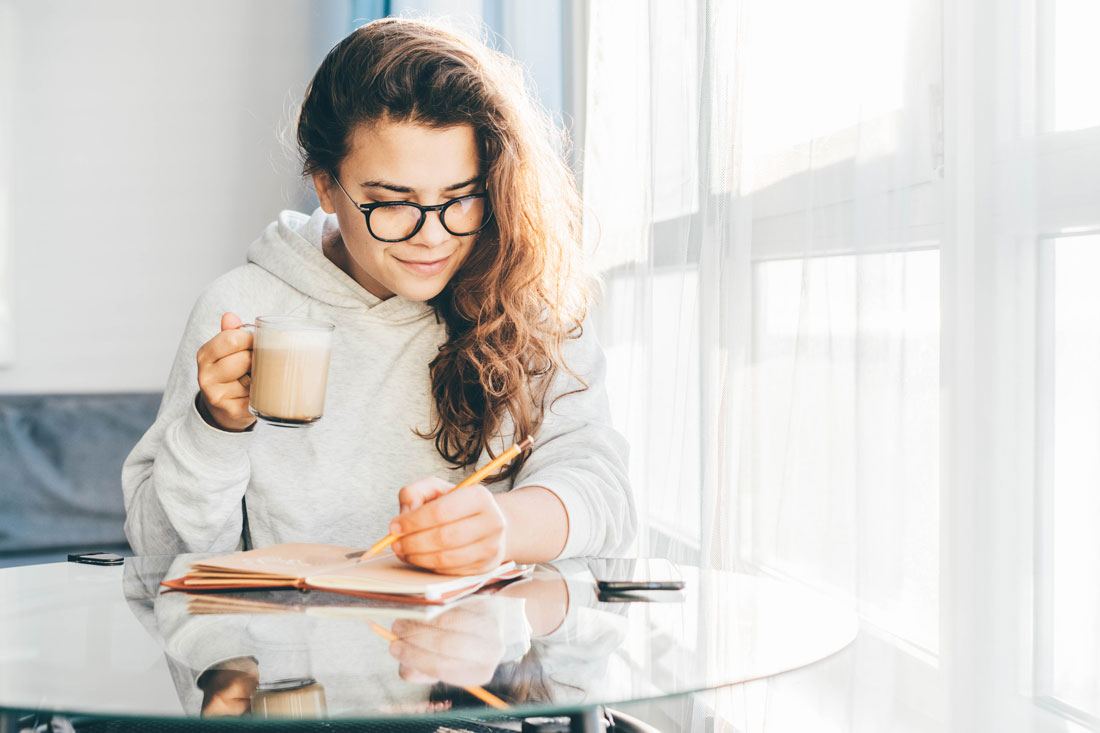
x=398, y=161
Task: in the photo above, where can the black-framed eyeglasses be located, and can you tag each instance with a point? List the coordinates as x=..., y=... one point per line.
x=396, y=221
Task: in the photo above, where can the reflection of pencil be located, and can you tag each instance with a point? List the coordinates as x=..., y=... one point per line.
x=470, y=480
x=479, y=692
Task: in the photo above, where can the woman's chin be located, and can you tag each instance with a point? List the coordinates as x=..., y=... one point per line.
x=419, y=292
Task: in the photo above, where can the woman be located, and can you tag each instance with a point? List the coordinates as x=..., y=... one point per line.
x=446, y=251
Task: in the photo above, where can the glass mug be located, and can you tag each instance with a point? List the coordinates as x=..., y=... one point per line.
x=298, y=698
x=290, y=358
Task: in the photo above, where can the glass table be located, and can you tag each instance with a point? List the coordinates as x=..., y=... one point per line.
x=106, y=647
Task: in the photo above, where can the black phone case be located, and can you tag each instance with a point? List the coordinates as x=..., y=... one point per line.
x=627, y=585
x=85, y=558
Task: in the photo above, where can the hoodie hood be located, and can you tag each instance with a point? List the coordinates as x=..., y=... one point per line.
x=291, y=249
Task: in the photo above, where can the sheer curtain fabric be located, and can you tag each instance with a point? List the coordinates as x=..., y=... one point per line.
x=849, y=261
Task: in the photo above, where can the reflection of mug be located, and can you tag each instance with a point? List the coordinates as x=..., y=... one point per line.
x=298, y=698
x=290, y=358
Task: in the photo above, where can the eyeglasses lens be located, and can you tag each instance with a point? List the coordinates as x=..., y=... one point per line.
x=394, y=222
x=464, y=216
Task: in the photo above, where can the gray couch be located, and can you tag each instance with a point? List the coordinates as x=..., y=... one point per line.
x=60, y=461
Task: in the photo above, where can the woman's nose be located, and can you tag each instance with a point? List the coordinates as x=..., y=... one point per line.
x=433, y=232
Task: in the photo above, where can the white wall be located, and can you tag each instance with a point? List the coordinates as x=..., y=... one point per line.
x=144, y=157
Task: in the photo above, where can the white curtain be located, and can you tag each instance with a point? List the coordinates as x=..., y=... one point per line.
x=851, y=257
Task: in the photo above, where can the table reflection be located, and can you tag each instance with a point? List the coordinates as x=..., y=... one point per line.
x=285, y=654
x=105, y=641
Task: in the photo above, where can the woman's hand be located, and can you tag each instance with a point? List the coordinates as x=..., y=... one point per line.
x=224, y=365
x=462, y=646
x=461, y=532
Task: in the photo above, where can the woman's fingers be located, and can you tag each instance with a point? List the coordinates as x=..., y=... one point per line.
x=415, y=676
x=443, y=507
x=221, y=383
x=457, y=659
x=231, y=321
x=224, y=363
x=449, y=643
x=222, y=345
x=452, y=535
x=460, y=620
x=230, y=368
x=421, y=491
x=451, y=530
x=477, y=557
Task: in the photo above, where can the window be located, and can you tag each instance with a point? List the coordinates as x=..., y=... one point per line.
x=1069, y=432
x=846, y=380
x=1069, y=57
x=1067, y=644
x=833, y=168
x=843, y=172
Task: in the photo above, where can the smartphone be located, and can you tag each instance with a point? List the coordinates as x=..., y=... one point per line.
x=615, y=575
x=96, y=558
x=646, y=596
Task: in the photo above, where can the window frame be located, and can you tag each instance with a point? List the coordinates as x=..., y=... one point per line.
x=1066, y=209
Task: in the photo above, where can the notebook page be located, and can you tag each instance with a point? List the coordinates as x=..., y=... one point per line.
x=387, y=574
x=287, y=560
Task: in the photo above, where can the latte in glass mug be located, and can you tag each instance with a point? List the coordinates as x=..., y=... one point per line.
x=301, y=698
x=290, y=359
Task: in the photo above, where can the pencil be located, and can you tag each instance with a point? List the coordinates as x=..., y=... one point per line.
x=470, y=480
x=479, y=692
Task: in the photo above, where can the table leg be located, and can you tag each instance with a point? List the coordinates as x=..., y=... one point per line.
x=589, y=720
x=9, y=722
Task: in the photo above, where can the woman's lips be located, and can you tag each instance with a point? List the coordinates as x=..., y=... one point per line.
x=424, y=267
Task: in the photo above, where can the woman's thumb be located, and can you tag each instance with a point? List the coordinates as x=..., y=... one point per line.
x=231, y=321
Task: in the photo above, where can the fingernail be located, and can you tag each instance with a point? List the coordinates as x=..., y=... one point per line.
x=396, y=547
x=395, y=528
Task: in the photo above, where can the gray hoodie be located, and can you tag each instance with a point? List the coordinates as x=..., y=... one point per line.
x=190, y=487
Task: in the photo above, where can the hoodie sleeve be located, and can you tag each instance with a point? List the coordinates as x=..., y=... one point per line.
x=581, y=458
x=184, y=482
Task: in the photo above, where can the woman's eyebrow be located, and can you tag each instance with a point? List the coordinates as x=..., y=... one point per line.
x=388, y=186
x=464, y=184
x=405, y=189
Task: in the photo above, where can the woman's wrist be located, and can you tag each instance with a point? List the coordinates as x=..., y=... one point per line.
x=207, y=416
x=536, y=524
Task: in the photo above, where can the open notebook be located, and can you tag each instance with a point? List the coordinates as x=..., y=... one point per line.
x=307, y=566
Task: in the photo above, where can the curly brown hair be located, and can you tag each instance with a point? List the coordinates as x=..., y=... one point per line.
x=523, y=290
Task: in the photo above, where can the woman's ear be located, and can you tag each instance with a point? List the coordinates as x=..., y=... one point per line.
x=324, y=186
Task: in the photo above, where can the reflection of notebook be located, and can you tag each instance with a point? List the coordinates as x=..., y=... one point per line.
x=317, y=603
x=307, y=566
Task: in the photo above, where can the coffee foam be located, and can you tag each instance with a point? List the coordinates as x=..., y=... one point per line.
x=276, y=338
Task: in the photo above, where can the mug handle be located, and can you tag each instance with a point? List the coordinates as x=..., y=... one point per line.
x=251, y=328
